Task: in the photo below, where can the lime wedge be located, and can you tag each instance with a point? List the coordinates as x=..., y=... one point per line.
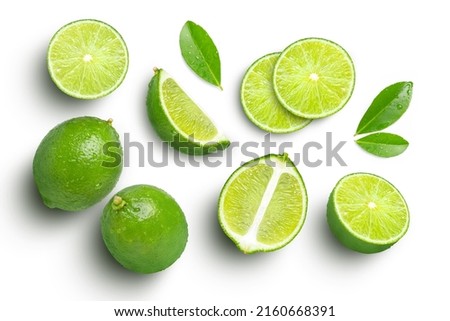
x=263, y=204
x=314, y=78
x=87, y=59
x=178, y=120
x=367, y=213
x=260, y=102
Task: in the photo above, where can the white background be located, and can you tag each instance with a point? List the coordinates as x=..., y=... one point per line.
x=51, y=260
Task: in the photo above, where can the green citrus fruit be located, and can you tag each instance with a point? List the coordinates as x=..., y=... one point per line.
x=144, y=229
x=78, y=163
x=260, y=103
x=87, y=59
x=263, y=204
x=178, y=120
x=314, y=78
x=367, y=213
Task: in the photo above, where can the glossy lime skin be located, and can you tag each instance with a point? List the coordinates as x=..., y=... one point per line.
x=147, y=231
x=77, y=163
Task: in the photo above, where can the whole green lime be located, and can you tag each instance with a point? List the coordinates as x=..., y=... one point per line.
x=144, y=229
x=78, y=163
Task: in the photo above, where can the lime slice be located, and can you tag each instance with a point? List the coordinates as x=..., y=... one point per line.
x=367, y=213
x=178, y=120
x=87, y=59
x=260, y=102
x=314, y=78
x=263, y=204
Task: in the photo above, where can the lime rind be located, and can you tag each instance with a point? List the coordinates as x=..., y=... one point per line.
x=342, y=229
x=70, y=168
x=293, y=103
x=148, y=233
x=76, y=93
x=249, y=242
x=277, y=119
x=170, y=131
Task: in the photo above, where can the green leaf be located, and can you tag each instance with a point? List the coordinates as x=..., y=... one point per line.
x=390, y=104
x=383, y=144
x=200, y=52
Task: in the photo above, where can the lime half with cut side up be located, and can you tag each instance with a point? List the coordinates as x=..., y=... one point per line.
x=367, y=213
x=87, y=59
x=263, y=204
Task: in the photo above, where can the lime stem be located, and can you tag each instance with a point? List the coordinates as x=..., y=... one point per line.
x=109, y=121
x=118, y=202
x=155, y=69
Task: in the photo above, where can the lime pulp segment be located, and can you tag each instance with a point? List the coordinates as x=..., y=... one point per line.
x=178, y=120
x=185, y=114
x=259, y=100
x=87, y=59
x=314, y=78
x=263, y=205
